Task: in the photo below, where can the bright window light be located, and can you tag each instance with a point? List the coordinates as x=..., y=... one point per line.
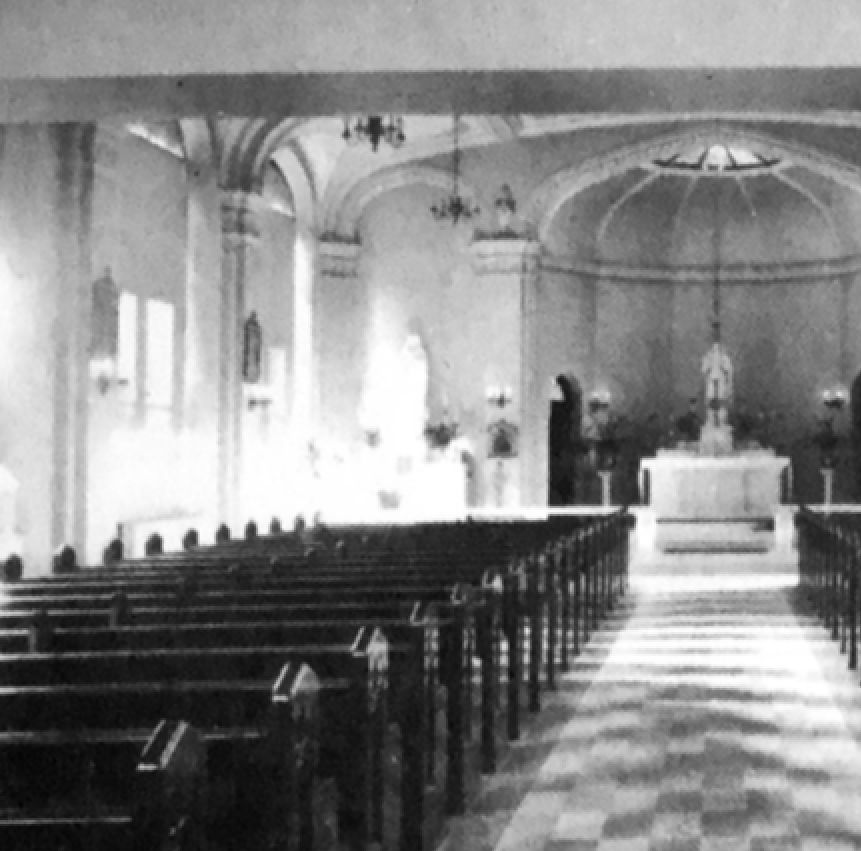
x=128, y=346
x=159, y=353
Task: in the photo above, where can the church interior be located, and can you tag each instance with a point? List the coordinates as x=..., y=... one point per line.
x=429, y=428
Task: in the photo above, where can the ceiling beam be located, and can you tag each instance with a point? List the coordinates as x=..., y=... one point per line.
x=684, y=93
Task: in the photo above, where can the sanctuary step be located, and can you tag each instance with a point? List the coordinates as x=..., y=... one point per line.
x=722, y=536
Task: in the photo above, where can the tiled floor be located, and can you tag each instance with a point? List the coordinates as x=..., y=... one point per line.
x=706, y=714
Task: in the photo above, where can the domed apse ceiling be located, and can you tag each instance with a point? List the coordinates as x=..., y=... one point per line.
x=711, y=205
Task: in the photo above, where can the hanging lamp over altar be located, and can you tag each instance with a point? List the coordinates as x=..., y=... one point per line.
x=716, y=435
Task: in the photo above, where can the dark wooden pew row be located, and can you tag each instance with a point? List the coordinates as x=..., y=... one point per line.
x=264, y=570
x=508, y=539
x=63, y=611
x=445, y=541
x=535, y=598
x=829, y=558
x=261, y=579
x=596, y=594
x=542, y=591
x=143, y=651
x=509, y=536
x=65, y=786
x=588, y=599
x=243, y=585
x=254, y=753
x=587, y=540
x=481, y=629
x=161, y=770
x=396, y=603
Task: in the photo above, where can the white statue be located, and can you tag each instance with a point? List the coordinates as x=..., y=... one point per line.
x=717, y=370
x=411, y=408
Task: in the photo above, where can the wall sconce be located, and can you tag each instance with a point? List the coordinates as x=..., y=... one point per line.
x=499, y=396
x=261, y=398
x=103, y=372
x=105, y=332
x=834, y=398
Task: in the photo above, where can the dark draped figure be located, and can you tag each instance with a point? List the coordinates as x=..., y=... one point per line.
x=564, y=442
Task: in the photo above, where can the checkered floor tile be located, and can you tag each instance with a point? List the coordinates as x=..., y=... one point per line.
x=703, y=717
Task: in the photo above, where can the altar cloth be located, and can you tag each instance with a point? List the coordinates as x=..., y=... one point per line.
x=685, y=485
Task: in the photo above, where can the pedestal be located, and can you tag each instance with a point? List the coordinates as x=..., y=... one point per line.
x=828, y=482
x=646, y=534
x=784, y=532
x=606, y=487
x=715, y=440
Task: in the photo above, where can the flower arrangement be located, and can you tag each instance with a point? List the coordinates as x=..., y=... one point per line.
x=603, y=436
x=826, y=440
x=439, y=436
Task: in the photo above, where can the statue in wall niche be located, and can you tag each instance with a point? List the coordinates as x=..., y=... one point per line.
x=717, y=372
x=252, y=350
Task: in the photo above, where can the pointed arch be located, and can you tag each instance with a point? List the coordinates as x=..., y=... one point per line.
x=344, y=221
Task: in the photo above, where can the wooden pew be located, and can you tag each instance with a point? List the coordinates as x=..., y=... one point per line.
x=538, y=602
x=260, y=746
x=225, y=702
x=536, y=621
x=201, y=671
x=156, y=790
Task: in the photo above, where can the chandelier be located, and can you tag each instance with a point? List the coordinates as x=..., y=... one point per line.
x=374, y=129
x=455, y=207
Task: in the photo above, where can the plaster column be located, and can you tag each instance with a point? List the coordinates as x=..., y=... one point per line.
x=239, y=233
x=827, y=486
x=511, y=266
x=200, y=387
x=843, y=357
x=46, y=198
x=75, y=176
x=606, y=487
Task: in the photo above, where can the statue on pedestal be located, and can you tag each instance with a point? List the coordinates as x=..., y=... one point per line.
x=717, y=372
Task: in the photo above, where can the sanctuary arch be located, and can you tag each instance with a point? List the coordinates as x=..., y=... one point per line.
x=603, y=276
x=657, y=307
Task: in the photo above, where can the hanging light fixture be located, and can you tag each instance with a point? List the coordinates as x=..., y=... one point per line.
x=374, y=129
x=455, y=207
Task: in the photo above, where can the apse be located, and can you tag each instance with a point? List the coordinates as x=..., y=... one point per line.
x=661, y=218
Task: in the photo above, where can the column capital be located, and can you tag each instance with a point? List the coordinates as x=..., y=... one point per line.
x=240, y=217
x=505, y=256
x=339, y=257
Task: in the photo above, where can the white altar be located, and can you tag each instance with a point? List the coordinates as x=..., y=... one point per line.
x=684, y=485
x=710, y=495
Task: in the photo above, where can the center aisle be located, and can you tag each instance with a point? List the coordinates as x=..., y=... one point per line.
x=705, y=715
